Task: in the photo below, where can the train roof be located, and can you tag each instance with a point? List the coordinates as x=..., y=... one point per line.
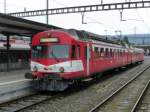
x=88, y=36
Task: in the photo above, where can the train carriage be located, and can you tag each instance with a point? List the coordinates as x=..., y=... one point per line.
x=62, y=57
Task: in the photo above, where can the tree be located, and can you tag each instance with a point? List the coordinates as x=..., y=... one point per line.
x=125, y=39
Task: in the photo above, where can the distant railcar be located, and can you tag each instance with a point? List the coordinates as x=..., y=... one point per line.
x=61, y=57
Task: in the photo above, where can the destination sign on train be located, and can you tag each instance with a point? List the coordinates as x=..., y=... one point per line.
x=49, y=39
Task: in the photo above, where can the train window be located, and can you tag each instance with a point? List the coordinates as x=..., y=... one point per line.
x=123, y=52
x=78, y=48
x=58, y=51
x=40, y=51
x=111, y=53
x=115, y=53
x=96, y=52
x=54, y=51
x=106, y=52
x=73, y=55
x=120, y=52
x=85, y=52
x=101, y=53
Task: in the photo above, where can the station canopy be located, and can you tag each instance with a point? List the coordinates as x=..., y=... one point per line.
x=13, y=25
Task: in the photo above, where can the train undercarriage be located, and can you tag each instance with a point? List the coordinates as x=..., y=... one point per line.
x=49, y=84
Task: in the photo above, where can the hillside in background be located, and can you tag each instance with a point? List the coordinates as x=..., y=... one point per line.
x=136, y=39
x=139, y=38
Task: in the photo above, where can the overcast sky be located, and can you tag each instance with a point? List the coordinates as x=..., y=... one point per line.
x=97, y=22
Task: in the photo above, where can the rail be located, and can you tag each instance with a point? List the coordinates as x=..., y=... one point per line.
x=96, y=108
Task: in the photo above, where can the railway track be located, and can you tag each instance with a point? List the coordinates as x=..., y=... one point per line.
x=128, y=96
x=26, y=102
x=144, y=102
x=29, y=102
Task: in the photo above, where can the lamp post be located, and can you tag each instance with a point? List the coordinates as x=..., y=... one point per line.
x=135, y=34
x=106, y=34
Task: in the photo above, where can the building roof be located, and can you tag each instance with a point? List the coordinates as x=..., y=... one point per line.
x=14, y=25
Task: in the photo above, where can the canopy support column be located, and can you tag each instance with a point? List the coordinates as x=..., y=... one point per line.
x=8, y=51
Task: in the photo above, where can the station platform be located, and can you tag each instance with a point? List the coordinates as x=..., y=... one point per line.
x=13, y=85
x=12, y=75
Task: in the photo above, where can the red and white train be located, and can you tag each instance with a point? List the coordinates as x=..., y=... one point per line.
x=62, y=57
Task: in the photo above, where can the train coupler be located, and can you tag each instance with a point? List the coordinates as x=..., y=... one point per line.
x=29, y=75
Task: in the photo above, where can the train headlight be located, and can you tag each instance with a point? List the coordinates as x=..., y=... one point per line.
x=45, y=68
x=61, y=69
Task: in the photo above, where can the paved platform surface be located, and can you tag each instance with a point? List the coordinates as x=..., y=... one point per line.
x=13, y=85
x=12, y=75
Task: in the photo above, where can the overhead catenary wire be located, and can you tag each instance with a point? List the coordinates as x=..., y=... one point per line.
x=92, y=20
x=65, y=4
x=146, y=25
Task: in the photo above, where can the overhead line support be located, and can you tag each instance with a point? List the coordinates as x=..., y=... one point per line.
x=87, y=8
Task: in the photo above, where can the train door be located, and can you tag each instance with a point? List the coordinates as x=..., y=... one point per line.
x=88, y=57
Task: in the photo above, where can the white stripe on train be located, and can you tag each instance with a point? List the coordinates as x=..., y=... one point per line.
x=69, y=66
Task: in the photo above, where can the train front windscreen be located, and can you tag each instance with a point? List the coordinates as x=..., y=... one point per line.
x=50, y=51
